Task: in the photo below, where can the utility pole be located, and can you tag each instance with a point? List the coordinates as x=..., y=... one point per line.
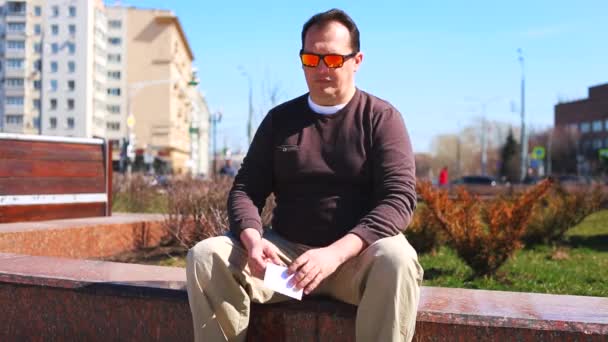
x=250, y=115
x=524, y=138
x=214, y=118
x=484, y=143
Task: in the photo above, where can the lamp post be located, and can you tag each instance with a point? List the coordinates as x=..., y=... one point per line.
x=214, y=118
x=484, y=140
x=250, y=115
x=524, y=141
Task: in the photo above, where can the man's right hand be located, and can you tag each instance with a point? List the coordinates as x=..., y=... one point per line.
x=259, y=252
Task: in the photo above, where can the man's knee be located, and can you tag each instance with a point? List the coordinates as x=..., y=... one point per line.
x=208, y=252
x=396, y=256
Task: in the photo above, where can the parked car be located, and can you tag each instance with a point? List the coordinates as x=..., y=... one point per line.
x=475, y=180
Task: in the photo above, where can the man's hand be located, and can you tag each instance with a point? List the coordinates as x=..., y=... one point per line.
x=259, y=252
x=312, y=267
x=315, y=265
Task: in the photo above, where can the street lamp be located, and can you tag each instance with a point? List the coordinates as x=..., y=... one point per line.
x=484, y=144
x=215, y=118
x=524, y=141
x=250, y=117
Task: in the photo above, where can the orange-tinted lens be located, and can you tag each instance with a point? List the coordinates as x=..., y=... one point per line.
x=309, y=60
x=333, y=61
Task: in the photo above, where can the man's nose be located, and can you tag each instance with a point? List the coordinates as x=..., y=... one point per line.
x=322, y=67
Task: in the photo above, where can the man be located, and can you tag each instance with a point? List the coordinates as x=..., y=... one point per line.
x=341, y=167
x=227, y=169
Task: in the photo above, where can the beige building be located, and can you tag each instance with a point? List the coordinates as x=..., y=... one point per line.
x=152, y=76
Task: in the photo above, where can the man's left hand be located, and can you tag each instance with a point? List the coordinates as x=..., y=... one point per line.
x=312, y=267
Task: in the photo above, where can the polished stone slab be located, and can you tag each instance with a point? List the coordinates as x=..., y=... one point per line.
x=100, y=301
x=94, y=237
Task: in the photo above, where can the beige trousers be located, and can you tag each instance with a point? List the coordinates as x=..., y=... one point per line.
x=383, y=281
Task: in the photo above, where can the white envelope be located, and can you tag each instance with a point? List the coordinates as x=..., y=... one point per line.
x=276, y=279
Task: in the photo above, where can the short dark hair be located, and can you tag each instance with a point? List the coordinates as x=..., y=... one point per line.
x=334, y=14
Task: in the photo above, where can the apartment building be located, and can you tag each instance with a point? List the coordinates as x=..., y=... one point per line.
x=20, y=26
x=589, y=117
x=79, y=68
x=55, y=67
x=151, y=82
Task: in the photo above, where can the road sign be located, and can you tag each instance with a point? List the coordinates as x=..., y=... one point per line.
x=538, y=153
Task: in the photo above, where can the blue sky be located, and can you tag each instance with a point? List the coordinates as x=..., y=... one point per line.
x=436, y=61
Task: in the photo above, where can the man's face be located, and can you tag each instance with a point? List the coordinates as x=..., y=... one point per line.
x=330, y=86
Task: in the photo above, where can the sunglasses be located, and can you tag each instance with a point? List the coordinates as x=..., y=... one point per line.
x=331, y=60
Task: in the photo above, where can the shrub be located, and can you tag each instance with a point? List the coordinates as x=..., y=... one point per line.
x=560, y=211
x=196, y=210
x=484, y=234
x=135, y=194
x=424, y=232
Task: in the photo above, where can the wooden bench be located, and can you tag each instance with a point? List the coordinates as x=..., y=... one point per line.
x=45, y=178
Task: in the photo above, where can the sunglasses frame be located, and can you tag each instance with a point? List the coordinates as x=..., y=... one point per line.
x=322, y=58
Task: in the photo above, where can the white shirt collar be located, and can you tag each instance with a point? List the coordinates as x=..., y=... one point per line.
x=325, y=110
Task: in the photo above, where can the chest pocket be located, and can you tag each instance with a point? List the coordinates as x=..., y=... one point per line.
x=286, y=161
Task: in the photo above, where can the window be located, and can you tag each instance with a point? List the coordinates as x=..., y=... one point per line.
x=14, y=100
x=14, y=63
x=54, y=85
x=54, y=67
x=114, y=58
x=16, y=8
x=14, y=119
x=606, y=127
x=585, y=127
x=71, y=85
x=37, y=29
x=37, y=11
x=14, y=82
x=114, y=91
x=36, y=104
x=15, y=44
x=113, y=109
x=55, y=29
x=70, y=122
x=37, y=85
x=36, y=122
x=55, y=47
x=72, y=29
x=71, y=48
x=38, y=47
x=55, y=11
x=596, y=126
x=597, y=143
x=113, y=126
x=53, y=122
x=72, y=11
x=15, y=27
x=70, y=104
x=115, y=24
x=114, y=41
x=38, y=65
x=115, y=75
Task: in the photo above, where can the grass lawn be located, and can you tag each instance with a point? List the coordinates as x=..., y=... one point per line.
x=577, y=267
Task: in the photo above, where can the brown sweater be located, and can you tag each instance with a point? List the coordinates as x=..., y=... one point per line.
x=352, y=171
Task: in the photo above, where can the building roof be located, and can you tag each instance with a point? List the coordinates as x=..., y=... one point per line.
x=169, y=18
